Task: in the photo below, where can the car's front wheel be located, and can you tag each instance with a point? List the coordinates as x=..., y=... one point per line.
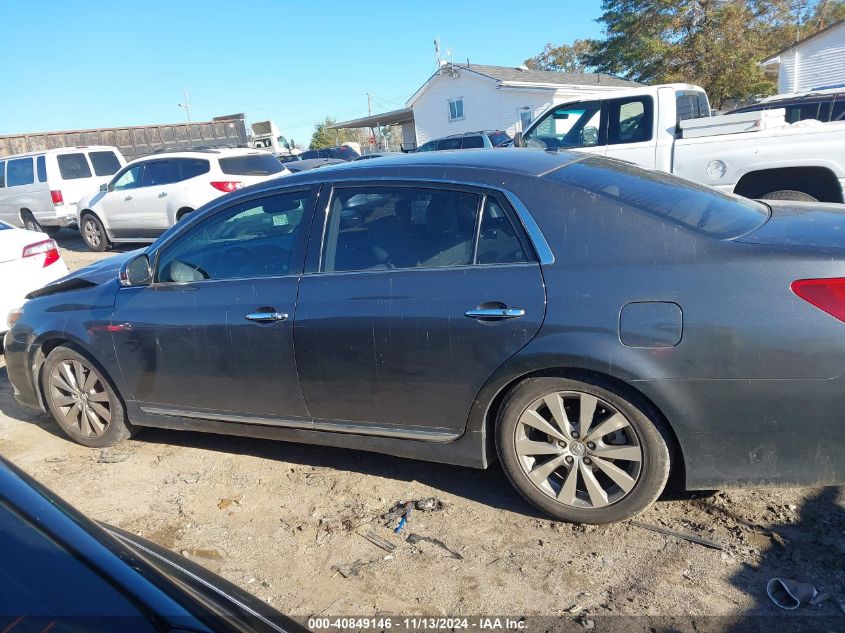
x=82, y=401
x=93, y=233
x=582, y=452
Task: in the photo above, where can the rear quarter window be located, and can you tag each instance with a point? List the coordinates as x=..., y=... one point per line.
x=251, y=165
x=688, y=204
x=105, y=163
x=472, y=142
x=2, y=174
x=73, y=166
x=20, y=172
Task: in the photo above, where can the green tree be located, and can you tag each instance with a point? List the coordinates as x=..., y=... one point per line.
x=566, y=58
x=717, y=44
x=323, y=136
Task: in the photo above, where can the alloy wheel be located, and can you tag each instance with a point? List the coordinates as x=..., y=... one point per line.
x=92, y=232
x=578, y=449
x=80, y=398
x=31, y=225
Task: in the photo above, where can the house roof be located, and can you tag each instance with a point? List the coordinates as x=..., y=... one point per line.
x=394, y=117
x=524, y=77
x=507, y=74
x=774, y=58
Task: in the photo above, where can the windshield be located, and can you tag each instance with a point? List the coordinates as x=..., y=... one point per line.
x=694, y=206
x=568, y=126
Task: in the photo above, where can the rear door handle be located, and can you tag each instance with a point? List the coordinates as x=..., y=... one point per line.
x=495, y=313
x=266, y=317
x=162, y=194
x=127, y=198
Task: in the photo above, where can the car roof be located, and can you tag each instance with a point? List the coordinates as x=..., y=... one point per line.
x=60, y=150
x=462, y=134
x=441, y=165
x=218, y=152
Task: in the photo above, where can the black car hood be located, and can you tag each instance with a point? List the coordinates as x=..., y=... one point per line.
x=92, y=275
x=810, y=224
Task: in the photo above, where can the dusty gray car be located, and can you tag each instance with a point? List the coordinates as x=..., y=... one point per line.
x=594, y=325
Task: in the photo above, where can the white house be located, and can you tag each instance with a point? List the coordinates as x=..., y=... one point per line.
x=461, y=98
x=816, y=61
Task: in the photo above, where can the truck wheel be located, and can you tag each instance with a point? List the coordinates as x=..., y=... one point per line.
x=93, y=233
x=789, y=194
x=30, y=223
x=582, y=452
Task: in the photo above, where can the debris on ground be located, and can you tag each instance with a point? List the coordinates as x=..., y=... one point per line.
x=191, y=478
x=112, y=457
x=55, y=460
x=414, y=539
x=378, y=541
x=228, y=502
x=681, y=535
x=351, y=570
x=400, y=513
x=790, y=594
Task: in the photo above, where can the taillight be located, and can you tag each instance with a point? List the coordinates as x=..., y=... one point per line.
x=825, y=294
x=47, y=248
x=57, y=197
x=227, y=185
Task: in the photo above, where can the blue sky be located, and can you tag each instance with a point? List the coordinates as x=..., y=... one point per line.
x=100, y=64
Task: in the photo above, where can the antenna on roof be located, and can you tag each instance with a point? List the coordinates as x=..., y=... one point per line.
x=437, y=52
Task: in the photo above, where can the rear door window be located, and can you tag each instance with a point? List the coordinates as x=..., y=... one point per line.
x=449, y=143
x=20, y=172
x=498, y=241
x=73, y=166
x=157, y=173
x=191, y=168
x=251, y=165
x=838, y=113
x=472, y=142
x=629, y=120
x=41, y=168
x=385, y=228
x=105, y=163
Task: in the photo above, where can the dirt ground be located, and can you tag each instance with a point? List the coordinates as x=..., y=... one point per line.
x=284, y=520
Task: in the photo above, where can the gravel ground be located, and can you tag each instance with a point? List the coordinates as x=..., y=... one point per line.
x=284, y=521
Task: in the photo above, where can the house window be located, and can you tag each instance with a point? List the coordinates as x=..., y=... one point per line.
x=456, y=109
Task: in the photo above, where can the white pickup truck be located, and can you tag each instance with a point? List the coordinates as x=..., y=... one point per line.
x=669, y=128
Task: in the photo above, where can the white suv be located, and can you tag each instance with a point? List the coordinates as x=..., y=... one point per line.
x=151, y=194
x=40, y=190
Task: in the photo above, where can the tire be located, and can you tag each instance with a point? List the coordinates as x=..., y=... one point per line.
x=94, y=417
x=93, y=233
x=789, y=194
x=538, y=463
x=30, y=223
x=180, y=215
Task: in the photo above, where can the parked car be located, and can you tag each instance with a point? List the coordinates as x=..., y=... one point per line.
x=40, y=190
x=151, y=194
x=378, y=155
x=312, y=163
x=669, y=128
x=27, y=261
x=599, y=324
x=63, y=572
x=288, y=158
x=468, y=140
x=823, y=105
x=341, y=152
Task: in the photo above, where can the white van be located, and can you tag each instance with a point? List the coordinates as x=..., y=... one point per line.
x=39, y=191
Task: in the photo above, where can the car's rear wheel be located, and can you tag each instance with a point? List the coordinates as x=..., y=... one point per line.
x=582, y=452
x=30, y=223
x=82, y=400
x=93, y=233
x=789, y=194
x=182, y=214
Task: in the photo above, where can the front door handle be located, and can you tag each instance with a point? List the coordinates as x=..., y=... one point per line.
x=128, y=198
x=495, y=313
x=162, y=194
x=266, y=317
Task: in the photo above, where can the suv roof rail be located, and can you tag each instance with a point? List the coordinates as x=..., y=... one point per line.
x=198, y=148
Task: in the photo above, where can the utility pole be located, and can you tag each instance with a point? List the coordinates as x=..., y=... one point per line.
x=186, y=104
x=369, y=105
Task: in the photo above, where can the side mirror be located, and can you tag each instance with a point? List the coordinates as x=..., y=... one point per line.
x=136, y=271
x=104, y=187
x=518, y=141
